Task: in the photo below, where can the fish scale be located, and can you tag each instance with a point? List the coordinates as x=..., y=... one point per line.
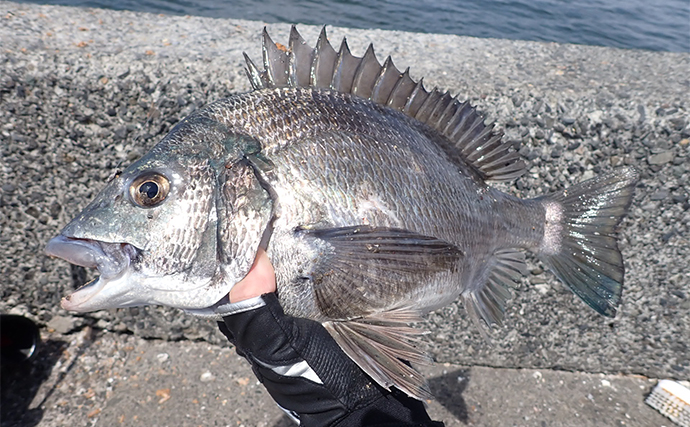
x=370, y=195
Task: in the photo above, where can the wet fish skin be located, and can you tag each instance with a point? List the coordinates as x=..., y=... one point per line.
x=370, y=195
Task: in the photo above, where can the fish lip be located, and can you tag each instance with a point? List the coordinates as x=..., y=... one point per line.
x=113, y=261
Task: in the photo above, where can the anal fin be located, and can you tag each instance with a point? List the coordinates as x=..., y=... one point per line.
x=383, y=345
x=485, y=299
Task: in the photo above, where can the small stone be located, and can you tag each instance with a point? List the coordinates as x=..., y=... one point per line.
x=537, y=280
x=661, y=158
x=678, y=123
x=588, y=174
x=666, y=237
x=573, y=169
x=62, y=324
x=162, y=357
x=680, y=198
x=207, y=377
x=55, y=209
x=678, y=293
x=660, y=195
x=678, y=171
x=17, y=137
x=542, y=288
x=121, y=132
x=568, y=120
x=31, y=210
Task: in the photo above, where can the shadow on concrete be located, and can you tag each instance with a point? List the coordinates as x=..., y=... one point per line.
x=446, y=388
x=284, y=422
x=448, y=391
x=21, y=382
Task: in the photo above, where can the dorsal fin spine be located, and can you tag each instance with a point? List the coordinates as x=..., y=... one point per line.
x=253, y=73
x=400, y=94
x=298, y=72
x=467, y=139
x=301, y=66
x=386, y=81
x=481, y=139
x=417, y=98
x=276, y=62
x=425, y=110
x=324, y=62
x=345, y=69
x=448, y=115
x=366, y=74
x=461, y=113
x=438, y=113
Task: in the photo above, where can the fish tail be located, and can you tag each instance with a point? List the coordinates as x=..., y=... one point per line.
x=579, y=244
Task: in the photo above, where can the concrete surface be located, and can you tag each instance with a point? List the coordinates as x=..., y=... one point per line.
x=84, y=92
x=105, y=379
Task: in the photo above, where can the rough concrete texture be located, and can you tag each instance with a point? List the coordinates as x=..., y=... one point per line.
x=106, y=379
x=84, y=92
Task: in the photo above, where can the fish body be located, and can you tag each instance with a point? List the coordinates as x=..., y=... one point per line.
x=370, y=195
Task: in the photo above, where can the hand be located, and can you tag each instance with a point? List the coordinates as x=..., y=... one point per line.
x=260, y=280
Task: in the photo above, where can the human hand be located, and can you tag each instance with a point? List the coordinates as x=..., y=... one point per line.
x=260, y=280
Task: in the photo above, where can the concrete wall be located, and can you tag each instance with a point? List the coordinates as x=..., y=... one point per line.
x=85, y=92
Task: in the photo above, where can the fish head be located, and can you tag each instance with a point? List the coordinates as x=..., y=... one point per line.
x=167, y=230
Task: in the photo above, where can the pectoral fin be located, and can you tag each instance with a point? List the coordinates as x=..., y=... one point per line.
x=361, y=269
x=365, y=280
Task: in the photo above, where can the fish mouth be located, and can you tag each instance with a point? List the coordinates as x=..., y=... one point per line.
x=113, y=261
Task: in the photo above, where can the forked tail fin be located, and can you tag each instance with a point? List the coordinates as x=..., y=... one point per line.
x=579, y=243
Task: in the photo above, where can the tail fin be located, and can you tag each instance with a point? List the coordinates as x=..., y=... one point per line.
x=579, y=245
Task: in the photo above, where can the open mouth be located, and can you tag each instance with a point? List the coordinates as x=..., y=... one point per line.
x=111, y=259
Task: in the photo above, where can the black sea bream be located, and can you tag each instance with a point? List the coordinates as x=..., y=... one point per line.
x=369, y=194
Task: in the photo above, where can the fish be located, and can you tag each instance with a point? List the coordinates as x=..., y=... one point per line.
x=371, y=195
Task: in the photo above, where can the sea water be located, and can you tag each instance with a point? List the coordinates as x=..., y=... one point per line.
x=635, y=24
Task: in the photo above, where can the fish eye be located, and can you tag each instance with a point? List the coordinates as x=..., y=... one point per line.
x=149, y=190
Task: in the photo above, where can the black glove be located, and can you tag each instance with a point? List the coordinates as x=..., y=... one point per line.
x=309, y=376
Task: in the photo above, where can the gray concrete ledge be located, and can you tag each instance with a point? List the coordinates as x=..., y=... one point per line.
x=106, y=379
x=84, y=92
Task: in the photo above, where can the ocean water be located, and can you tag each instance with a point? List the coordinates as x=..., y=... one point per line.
x=662, y=25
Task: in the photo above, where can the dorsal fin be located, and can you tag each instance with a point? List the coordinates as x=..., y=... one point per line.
x=478, y=144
